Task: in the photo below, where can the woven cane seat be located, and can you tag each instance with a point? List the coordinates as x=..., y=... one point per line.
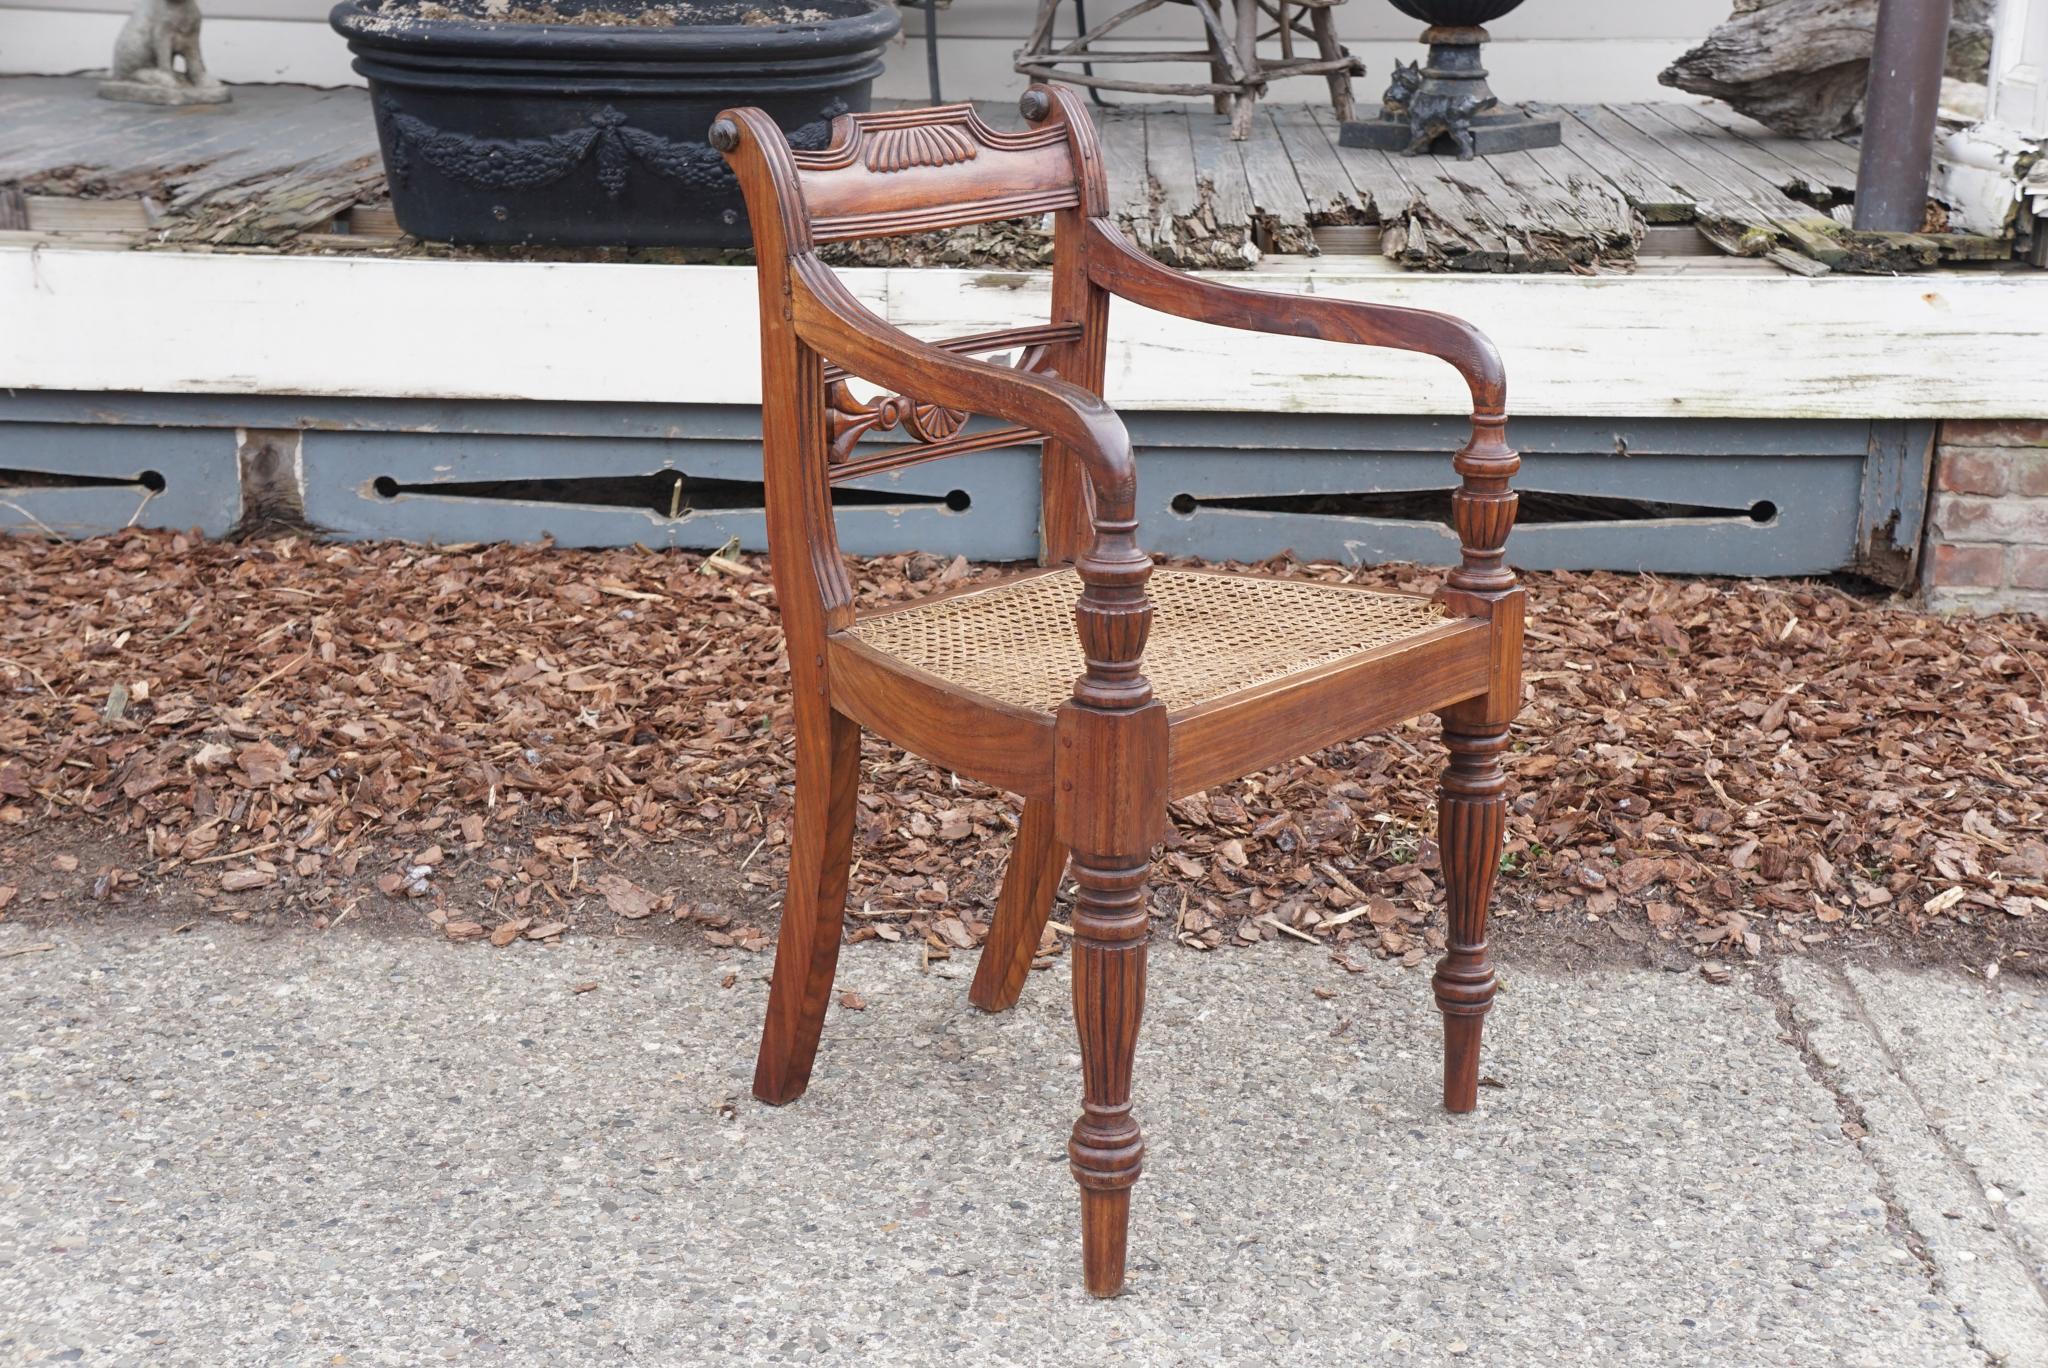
x=1211, y=634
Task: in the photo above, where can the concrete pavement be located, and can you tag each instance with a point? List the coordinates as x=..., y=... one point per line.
x=231, y=1147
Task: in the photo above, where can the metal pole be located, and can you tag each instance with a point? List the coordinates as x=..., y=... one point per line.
x=1899, y=115
x=931, y=46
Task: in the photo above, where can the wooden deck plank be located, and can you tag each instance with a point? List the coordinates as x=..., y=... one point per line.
x=1610, y=149
x=1793, y=164
x=1733, y=177
x=1739, y=219
x=1556, y=184
x=1434, y=213
x=1219, y=168
x=1189, y=230
x=1829, y=157
x=1133, y=201
x=1497, y=213
x=1220, y=234
x=1457, y=219
x=1324, y=183
x=1278, y=201
x=1844, y=151
x=1376, y=179
x=1170, y=160
x=1743, y=213
x=279, y=163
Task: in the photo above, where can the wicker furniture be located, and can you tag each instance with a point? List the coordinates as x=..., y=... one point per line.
x=1097, y=688
x=1305, y=30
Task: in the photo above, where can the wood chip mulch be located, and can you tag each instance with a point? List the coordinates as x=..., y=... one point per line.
x=515, y=742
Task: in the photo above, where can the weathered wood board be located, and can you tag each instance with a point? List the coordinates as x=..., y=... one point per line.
x=276, y=162
x=275, y=169
x=1737, y=341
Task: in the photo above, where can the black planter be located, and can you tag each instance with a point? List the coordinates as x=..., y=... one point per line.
x=1455, y=13
x=1447, y=106
x=588, y=135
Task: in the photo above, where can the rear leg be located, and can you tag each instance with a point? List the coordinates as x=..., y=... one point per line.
x=1037, y=860
x=820, y=859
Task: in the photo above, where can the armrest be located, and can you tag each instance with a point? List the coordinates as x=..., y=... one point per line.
x=1113, y=614
x=1484, y=505
x=1119, y=267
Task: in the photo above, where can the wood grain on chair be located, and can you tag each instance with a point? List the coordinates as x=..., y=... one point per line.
x=1095, y=688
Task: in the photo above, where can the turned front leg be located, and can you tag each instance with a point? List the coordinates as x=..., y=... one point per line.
x=1472, y=806
x=1471, y=818
x=1110, y=809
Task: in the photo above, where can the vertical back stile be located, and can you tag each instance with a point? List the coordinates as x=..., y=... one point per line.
x=1065, y=514
x=811, y=586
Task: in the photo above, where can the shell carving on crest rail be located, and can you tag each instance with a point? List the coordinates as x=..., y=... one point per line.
x=890, y=140
x=898, y=149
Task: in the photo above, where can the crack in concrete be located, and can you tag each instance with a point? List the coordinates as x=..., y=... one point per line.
x=2015, y=1238
x=1772, y=990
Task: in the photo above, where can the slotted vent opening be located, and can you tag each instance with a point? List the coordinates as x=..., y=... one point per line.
x=151, y=480
x=668, y=493
x=1434, y=506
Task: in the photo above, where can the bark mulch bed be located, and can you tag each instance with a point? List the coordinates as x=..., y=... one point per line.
x=507, y=742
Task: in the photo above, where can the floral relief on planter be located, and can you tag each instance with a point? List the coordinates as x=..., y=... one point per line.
x=587, y=125
x=525, y=163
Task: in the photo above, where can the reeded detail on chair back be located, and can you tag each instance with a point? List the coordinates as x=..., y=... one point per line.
x=914, y=170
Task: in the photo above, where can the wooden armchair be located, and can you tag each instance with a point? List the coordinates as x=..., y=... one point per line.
x=1045, y=685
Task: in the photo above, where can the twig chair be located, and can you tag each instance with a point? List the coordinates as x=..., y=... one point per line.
x=1232, y=30
x=1095, y=687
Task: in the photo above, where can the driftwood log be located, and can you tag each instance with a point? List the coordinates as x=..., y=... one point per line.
x=1800, y=66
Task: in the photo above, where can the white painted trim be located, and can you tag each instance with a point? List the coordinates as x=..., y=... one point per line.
x=1981, y=178
x=1726, y=344
x=1984, y=169
x=2019, y=67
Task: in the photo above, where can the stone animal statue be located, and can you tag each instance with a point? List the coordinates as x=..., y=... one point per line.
x=159, y=35
x=1434, y=110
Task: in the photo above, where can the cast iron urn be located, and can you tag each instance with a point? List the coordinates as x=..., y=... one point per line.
x=584, y=122
x=1447, y=105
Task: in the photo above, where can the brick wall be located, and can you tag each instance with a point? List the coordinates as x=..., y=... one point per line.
x=1987, y=529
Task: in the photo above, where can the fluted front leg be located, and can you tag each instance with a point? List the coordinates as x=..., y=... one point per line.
x=1472, y=808
x=1109, y=769
x=1471, y=816
x=1107, y=1150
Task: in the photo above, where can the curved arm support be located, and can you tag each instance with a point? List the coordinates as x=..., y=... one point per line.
x=847, y=333
x=1484, y=504
x=1113, y=615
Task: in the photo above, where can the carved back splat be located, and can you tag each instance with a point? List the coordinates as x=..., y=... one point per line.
x=903, y=171
x=936, y=429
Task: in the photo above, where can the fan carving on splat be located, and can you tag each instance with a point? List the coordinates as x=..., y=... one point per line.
x=847, y=419
x=934, y=426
